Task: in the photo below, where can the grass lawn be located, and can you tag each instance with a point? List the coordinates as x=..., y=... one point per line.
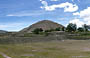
x=51, y=49
x=1, y=56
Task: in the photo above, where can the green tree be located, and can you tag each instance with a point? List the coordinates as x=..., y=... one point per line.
x=71, y=27
x=80, y=29
x=85, y=27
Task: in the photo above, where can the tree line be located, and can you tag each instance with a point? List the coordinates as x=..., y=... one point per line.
x=70, y=28
x=73, y=28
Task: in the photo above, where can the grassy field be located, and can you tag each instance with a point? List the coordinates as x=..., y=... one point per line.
x=1, y=56
x=51, y=49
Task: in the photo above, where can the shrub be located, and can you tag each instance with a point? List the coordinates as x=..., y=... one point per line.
x=63, y=28
x=58, y=29
x=49, y=30
x=37, y=30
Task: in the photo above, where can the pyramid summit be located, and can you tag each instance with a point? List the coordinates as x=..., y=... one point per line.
x=44, y=24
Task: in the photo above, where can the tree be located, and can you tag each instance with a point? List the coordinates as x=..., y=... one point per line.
x=80, y=29
x=40, y=30
x=71, y=27
x=37, y=30
x=85, y=27
x=63, y=28
x=57, y=29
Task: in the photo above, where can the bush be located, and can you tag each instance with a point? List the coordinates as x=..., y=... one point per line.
x=37, y=30
x=58, y=29
x=63, y=28
x=49, y=30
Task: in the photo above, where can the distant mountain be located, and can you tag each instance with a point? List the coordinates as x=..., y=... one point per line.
x=2, y=31
x=45, y=25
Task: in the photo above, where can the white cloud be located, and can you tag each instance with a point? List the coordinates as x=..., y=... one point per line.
x=44, y=3
x=77, y=22
x=21, y=15
x=77, y=13
x=68, y=7
x=84, y=14
x=27, y=13
x=2, y=26
x=62, y=18
x=11, y=26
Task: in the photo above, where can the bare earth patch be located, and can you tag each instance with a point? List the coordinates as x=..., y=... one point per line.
x=86, y=49
x=79, y=56
x=27, y=55
x=4, y=55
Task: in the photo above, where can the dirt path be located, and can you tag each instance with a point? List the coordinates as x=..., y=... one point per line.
x=4, y=55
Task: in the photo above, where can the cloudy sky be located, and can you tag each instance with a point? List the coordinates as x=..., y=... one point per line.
x=18, y=14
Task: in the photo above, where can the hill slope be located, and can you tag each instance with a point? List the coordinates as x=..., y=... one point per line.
x=2, y=31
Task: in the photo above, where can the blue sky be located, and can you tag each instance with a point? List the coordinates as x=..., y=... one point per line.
x=18, y=14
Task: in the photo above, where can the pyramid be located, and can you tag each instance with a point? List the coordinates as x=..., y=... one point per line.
x=44, y=24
